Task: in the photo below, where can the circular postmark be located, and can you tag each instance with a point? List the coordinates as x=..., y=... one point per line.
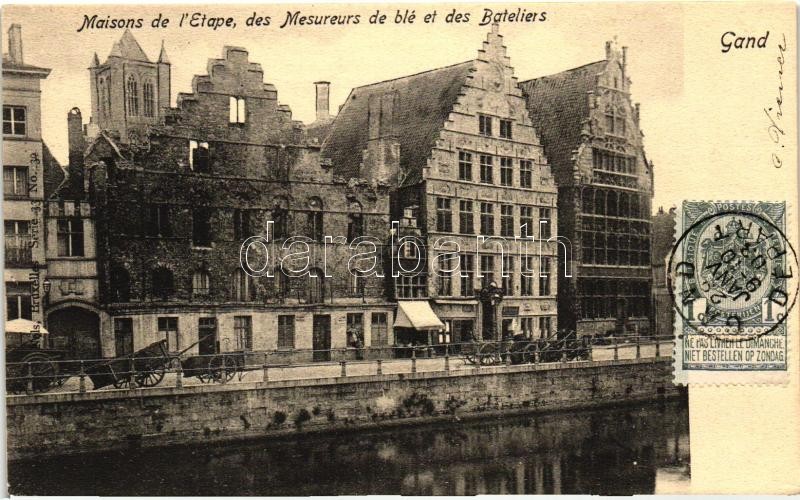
x=730, y=273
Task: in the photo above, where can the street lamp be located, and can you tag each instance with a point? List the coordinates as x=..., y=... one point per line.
x=491, y=295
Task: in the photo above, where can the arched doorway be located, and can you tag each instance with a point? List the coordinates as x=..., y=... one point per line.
x=76, y=330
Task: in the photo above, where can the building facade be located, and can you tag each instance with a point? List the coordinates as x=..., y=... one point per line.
x=174, y=203
x=461, y=152
x=24, y=156
x=591, y=135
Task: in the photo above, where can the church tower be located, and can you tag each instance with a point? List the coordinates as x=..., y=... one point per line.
x=129, y=92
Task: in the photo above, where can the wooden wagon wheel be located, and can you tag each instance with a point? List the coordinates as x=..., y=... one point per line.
x=488, y=354
x=151, y=377
x=222, y=368
x=43, y=370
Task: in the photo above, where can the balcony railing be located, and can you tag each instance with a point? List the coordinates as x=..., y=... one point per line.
x=18, y=249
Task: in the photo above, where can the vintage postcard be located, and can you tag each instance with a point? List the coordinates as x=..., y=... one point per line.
x=401, y=249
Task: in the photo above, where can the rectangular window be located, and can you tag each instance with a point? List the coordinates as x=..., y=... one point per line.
x=506, y=171
x=445, y=284
x=485, y=125
x=544, y=277
x=201, y=227
x=466, y=219
x=236, y=110
x=123, y=336
x=18, y=242
x=506, y=220
x=409, y=287
x=464, y=166
x=168, y=329
x=508, y=275
x=526, y=276
x=18, y=300
x=14, y=120
x=157, y=221
x=545, y=223
x=243, y=331
x=467, y=266
x=241, y=225
x=15, y=181
x=545, y=326
x=355, y=330
x=286, y=332
x=487, y=270
x=526, y=228
x=526, y=173
x=379, y=329
x=444, y=215
x=487, y=219
x=505, y=129
x=487, y=162
x=198, y=156
x=70, y=237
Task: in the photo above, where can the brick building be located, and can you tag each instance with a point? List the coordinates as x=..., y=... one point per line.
x=458, y=147
x=590, y=131
x=24, y=157
x=176, y=194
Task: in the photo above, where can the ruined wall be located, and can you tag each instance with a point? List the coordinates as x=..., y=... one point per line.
x=69, y=423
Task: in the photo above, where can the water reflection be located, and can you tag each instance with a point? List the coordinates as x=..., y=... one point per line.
x=626, y=451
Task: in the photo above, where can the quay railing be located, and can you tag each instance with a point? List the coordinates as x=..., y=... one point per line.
x=146, y=368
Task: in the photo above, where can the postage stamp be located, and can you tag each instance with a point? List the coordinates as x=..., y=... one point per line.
x=731, y=276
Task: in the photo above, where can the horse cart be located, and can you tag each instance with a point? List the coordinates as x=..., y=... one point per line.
x=521, y=349
x=220, y=368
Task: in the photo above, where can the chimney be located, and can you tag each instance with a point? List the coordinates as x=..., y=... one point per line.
x=15, y=43
x=323, y=100
x=75, y=138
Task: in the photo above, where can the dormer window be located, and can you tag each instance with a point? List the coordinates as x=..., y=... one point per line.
x=198, y=156
x=237, y=110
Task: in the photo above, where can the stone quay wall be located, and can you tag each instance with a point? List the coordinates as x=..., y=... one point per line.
x=72, y=422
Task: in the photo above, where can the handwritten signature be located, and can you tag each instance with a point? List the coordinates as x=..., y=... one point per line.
x=775, y=113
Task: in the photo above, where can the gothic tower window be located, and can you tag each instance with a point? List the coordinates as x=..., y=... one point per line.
x=102, y=96
x=149, y=99
x=133, y=97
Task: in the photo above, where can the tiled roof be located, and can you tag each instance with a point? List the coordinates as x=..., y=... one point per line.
x=54, y=174
x=422, y=104
x=128, y=48
x=558, y=105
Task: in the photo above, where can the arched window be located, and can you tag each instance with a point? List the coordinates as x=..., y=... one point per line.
x=282, y=287
x=280, y=218
x=162, y=283
x=149, y=99
x=587, y=201
x=242, y=287
x=316, y=286
x=133, y=96
x=600, y=202
x=314, y=228
x=355, y=221
x=120, y=285
x=201, y=283
x=101, y=86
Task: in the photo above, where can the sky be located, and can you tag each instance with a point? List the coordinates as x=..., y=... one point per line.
x=349, y=56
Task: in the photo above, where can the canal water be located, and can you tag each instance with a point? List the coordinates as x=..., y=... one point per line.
x=622, y=451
